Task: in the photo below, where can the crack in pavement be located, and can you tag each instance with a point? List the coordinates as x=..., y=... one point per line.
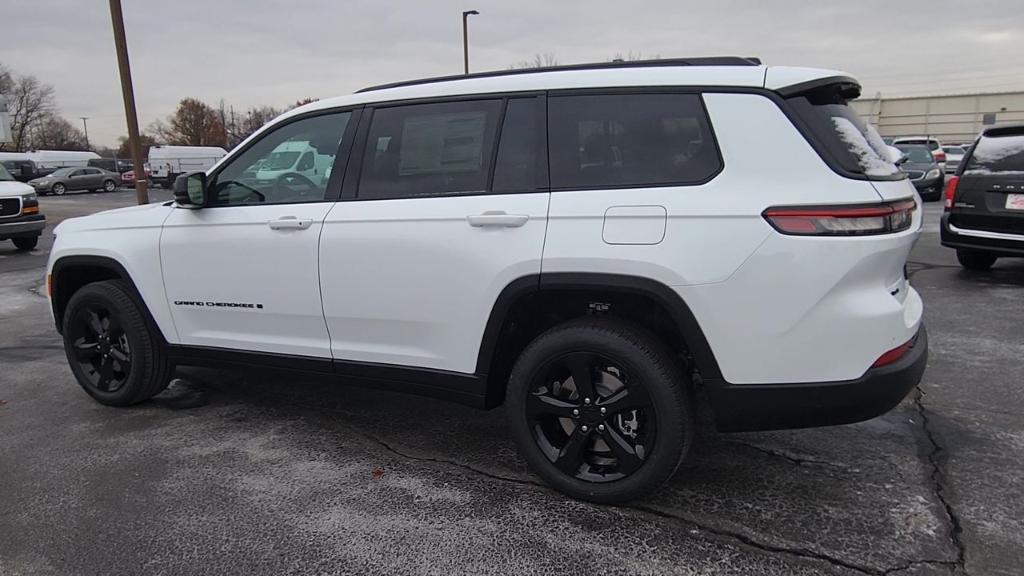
x=733, y=537
x=935, y=458
x=798, y=460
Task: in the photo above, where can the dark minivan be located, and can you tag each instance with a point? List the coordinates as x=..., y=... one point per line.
x=984, y=217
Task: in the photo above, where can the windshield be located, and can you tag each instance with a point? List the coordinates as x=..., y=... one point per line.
x=4, y=174
x=280, y=160
x=997, y=154
x=916, y=154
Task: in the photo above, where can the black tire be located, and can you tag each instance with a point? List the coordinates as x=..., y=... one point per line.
x=975, y=259
x=59, y=189
x=25, y=242
x=108, y=307
x=109, y=186
x=644, y=367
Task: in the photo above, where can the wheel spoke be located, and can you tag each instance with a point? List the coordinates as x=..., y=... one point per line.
x=625, y=454
x=106, y=374
x=113, y=327
x=626, y=399
x=544, y=405
x=95, y=324
x=582, y=368
x=124, y=361
x=84, y=351
x=570, y=457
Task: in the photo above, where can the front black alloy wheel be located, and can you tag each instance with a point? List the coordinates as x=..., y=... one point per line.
x=599, y=410
x=110, y=348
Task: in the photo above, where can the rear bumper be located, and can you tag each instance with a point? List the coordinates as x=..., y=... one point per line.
x=996, y=243
x=23, y=226
x=748, y=407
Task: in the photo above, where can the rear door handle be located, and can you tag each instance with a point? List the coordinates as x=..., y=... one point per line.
x=497, y=219
x=290, y=223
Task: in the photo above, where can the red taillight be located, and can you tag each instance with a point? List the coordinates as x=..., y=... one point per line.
x=885, y=218
x=894, y=354
x=951, y=191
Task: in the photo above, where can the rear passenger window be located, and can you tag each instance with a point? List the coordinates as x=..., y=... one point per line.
x=429, y=150
x=629, y=140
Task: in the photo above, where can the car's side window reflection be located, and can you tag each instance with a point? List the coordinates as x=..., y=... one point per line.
x=288, y=165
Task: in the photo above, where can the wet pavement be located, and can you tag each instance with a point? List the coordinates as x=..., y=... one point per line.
x=229, y=473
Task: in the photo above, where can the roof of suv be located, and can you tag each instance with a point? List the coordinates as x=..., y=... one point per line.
x=719, y=71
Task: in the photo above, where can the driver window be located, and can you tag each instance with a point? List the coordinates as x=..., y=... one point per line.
x=288, y=165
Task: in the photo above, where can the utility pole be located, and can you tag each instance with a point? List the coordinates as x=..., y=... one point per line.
x=465, y=37
x=85, y=127
x=121, y=44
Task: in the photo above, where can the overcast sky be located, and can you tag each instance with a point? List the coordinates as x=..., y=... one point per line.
x=255, y=52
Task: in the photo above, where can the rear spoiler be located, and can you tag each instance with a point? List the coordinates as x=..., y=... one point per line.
x=846, y=87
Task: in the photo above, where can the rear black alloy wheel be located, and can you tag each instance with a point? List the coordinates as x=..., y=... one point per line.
x=975, y=259
x=598, y=409
x=112, y=352
x=589, y=417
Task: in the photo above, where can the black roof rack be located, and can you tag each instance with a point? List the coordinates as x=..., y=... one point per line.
x=701, y=61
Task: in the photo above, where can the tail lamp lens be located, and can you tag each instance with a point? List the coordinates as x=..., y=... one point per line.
x=887, y=218
x=894, y=354
x=951, y=191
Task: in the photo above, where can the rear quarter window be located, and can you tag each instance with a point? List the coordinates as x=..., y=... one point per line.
x=630, y=140
x=1002, y=154
x=853, y=146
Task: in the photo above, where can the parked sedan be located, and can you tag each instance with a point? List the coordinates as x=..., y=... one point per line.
x=954, y=154
x=65, y=179
x=923, y=170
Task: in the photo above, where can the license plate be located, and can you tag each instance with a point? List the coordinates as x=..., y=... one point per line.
x=1015, y=201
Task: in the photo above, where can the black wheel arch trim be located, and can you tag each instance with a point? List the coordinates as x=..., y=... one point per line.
x=660, y=293
x=104, y=263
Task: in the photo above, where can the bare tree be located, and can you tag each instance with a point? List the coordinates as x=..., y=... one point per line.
x=254, y=119
x=631, y=57
x=29, y=101
x=56, y=133
x=545, y=60
x=125, y=151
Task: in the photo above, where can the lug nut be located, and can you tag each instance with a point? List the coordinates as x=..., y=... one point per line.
x=600, y=427
x=575, y=412
x=584, y=428
x=604, y=410
x=586, y=400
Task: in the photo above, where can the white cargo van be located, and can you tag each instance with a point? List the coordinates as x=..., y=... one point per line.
x=166, y=162
x=296, y=158
x=49, y=160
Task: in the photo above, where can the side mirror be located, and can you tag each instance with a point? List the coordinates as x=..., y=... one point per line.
x=190, y=190
x=902, y=160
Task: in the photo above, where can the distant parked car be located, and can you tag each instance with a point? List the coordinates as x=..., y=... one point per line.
x=954, y=154
x=933, y=144
x=119, y=165
x=128, y=178
x=65, y=179
x=984, y=218
x=21, y=170
x=923, y=170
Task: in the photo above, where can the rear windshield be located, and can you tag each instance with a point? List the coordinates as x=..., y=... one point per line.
x=853, y=144
x=997, y=154
x=916, y=154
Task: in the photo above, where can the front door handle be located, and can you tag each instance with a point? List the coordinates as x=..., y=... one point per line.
x=290, y=223
x=497, y=219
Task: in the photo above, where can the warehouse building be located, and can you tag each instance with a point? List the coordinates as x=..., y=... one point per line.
x=950, y=118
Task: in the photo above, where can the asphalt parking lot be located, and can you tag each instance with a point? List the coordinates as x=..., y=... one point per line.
x=228, y=473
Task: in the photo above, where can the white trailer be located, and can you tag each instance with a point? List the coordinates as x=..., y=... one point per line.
x=167, y=162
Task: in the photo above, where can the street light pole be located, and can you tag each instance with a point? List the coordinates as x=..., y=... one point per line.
x=117, y=18
x=465, y=37
x=85, y=127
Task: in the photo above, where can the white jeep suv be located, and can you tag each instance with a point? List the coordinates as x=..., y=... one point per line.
x=596, y=247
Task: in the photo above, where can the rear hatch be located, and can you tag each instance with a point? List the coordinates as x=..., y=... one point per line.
x=990, y=192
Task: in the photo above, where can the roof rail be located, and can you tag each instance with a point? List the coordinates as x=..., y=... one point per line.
x=700, y=61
